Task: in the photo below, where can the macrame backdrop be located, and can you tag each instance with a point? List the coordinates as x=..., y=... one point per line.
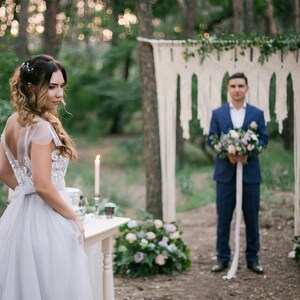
x=170, y=63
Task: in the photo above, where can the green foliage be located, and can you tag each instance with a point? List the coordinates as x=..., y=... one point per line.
x=8, y=63
x=103, y=94
x=150, y=247
x=5, y=112
x=132, y=151
x=196, y=186
x=279, y=177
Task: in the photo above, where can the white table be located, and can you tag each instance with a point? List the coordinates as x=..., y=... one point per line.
x=99, y=237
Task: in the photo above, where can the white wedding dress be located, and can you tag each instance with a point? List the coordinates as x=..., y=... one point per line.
x=41, y=252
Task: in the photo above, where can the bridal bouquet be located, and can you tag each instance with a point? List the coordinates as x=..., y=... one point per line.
x=237, y=142
x=150, y=247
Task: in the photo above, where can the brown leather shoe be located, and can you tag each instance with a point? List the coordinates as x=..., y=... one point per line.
x=255, y=267
x=221, y=266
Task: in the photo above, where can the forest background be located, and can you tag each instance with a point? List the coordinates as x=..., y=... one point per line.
x=97, y=42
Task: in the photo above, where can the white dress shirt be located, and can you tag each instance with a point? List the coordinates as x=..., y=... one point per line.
x=237, y=115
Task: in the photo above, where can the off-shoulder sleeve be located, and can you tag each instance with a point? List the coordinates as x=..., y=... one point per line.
x=42, y=133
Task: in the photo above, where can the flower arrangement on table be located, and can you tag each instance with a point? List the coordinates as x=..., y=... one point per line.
x=150, y=247
x=237, y=142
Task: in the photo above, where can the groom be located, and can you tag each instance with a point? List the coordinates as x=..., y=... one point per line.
x=237, y=114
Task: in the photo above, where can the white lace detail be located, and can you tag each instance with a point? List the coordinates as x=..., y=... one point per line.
x=23, y=171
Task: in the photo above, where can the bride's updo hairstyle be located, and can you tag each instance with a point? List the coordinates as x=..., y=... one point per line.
x=34, y=75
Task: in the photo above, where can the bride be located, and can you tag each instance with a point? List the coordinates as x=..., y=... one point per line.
x=41, y=237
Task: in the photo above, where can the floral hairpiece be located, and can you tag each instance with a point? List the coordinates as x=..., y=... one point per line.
x=28, y=68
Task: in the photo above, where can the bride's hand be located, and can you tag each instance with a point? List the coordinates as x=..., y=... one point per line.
x=80, y=226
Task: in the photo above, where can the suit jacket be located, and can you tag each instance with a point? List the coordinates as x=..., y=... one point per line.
x=221, y=123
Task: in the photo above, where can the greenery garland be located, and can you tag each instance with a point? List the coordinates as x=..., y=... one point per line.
x=267, y=44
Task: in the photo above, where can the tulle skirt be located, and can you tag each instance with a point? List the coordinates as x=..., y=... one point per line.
x=41, y=253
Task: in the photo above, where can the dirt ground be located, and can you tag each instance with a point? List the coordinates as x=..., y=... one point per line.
x=280, y=281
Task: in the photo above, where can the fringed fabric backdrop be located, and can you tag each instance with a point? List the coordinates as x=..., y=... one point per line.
x=171, y=63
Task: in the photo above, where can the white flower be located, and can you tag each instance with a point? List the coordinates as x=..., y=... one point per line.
x=158, y=223
x=144, y=243
x=151, y=246
x=122, y=248
x=253, y=137
x=292, y=254
x=150, y=235
x=175, y=235
x=172, y=248
x=132, y=224
x=130, y=237
x=234, y=134
x=217, y=147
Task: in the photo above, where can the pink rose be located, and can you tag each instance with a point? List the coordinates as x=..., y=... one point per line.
x=253, y=125
x=160, y=260
x=170, y=227
x=163, y=244
x=130, y=237
x=250, y=147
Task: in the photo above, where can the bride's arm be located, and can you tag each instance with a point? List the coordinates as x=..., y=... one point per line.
x=41, y=176
x=7, y=175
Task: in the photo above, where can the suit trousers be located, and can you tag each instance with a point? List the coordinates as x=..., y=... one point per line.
x=226, y=202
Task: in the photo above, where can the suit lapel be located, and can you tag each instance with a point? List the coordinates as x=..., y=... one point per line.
x=227, y=117
x=248, y=117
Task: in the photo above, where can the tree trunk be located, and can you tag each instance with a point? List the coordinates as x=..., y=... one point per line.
x=238, y=16
x=50, y=27
x=250, y=16
x=188, y=12
x=272, y=29
x=297, y=16
x=22, y=41
x=150, y=113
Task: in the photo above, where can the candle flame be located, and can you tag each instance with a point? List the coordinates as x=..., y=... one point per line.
x=98, y=157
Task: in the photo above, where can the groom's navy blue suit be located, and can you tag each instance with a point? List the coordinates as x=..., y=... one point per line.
x=225, y=177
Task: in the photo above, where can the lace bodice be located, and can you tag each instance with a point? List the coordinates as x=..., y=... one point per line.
x=41, y=133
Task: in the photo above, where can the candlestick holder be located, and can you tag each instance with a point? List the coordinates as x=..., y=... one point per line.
x=97, y=201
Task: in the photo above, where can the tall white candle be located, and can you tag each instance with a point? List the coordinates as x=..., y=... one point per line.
x=97, y=174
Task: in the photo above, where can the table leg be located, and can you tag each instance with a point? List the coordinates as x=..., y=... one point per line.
x=108, y=283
